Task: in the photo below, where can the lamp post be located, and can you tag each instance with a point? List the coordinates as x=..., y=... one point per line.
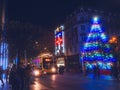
x=114, y=41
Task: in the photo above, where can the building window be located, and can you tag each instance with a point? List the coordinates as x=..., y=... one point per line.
x=82, y=27
x=83, y=37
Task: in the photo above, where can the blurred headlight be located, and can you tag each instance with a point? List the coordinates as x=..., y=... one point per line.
x=53, y=69
x=36, y=73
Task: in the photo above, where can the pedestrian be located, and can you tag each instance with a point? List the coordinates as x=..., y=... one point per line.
x=112, y=70
x=1, y=73
x=13, y=78
x=95, y=71
x=7, y=72
x=21, y=75
x=61, y=70
x=86, y=71
x=115, y=71
x=119, y=72
x=27, y=75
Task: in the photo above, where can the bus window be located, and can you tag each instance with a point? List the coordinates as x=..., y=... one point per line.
x=47, y=63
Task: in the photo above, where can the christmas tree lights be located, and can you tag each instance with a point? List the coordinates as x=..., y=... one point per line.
x=97, y=50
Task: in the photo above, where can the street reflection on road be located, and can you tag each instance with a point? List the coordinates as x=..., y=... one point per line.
x=72, y=82
x=37, y=86
x=53, y=77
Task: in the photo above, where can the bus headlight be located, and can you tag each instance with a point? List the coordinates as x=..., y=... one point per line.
x=36, y=73
x=53, y=69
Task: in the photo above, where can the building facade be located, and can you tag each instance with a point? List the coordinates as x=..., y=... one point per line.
x=77, y=26
x=60, y=46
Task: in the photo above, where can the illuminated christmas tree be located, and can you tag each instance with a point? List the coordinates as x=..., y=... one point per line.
x=97, y=50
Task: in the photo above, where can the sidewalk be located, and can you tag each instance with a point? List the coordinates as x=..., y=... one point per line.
x=5, y=87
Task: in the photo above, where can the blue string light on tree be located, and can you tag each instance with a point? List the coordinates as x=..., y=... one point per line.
x=96, y=50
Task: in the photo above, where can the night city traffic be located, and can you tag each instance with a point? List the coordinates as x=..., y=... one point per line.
x=59, y=45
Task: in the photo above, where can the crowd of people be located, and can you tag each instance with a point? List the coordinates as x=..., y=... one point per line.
x=1, y=73
x=18, y=76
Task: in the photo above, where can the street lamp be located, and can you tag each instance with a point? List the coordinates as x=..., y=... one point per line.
x=113, y=40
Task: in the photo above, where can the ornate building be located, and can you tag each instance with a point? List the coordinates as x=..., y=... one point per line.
x=77, y=26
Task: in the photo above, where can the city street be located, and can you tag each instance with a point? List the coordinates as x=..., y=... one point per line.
x=43, y=37
x=72, y=82
x=78, y=82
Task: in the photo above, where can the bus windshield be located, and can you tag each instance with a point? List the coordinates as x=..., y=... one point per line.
x=47, y=63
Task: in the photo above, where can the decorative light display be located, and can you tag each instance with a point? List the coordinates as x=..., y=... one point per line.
x=3, y=43
x=96, y=50
x=59, y=40
x=4, y=55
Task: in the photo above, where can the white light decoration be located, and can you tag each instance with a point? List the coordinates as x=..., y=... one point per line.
x=103, y=36
x=62, y=27
x=3, y=44
x=4, y=55
x=95, y=26
x=63, y=42
x=95, y=20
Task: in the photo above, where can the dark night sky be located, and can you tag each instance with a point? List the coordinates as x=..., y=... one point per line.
x=50, y=12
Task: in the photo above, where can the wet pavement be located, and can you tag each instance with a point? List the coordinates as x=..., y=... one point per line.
x=5, y=87
x=79, y=82
x=71, y=81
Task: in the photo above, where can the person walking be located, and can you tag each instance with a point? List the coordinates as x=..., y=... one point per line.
x=95, y=71
x=13, y=78
x=1, y=73
x=98, y=71
x=115, y=71
x=21, y=75
x=7, y=72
